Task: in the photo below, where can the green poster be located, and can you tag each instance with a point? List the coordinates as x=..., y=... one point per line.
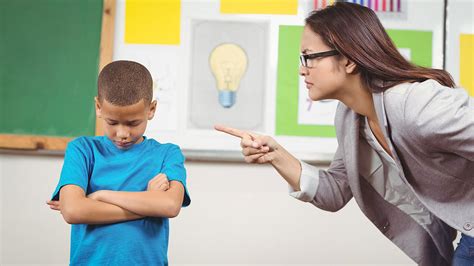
x=419, y=42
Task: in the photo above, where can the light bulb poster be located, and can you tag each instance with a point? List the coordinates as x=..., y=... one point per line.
x=296, y=115
x=227, y=83
x=228, y=63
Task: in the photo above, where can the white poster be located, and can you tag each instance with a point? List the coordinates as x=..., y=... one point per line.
x=314, y=113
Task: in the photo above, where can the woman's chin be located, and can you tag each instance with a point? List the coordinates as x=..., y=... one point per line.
x=319, y=97
x=315, y=97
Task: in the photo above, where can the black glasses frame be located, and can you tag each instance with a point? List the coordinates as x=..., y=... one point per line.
x=305, y=57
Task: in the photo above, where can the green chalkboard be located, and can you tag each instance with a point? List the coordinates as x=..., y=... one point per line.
x=49, y=54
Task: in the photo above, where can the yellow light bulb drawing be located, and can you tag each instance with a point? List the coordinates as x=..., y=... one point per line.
x=228, y=64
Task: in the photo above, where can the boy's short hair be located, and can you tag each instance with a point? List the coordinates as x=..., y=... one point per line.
x=124, y=83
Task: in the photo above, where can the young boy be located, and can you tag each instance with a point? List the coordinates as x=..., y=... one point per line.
x=119, y=190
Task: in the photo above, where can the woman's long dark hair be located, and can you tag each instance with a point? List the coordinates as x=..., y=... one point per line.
x=356, y=32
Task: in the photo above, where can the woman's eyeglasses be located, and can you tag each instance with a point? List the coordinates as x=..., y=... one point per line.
x=306, y=59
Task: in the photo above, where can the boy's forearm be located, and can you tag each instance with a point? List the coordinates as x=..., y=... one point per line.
x=76, y=208
x=91, y=211
x=148, y=203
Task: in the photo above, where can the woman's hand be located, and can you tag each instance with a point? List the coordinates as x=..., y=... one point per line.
x=264, y=149
x=255, y=148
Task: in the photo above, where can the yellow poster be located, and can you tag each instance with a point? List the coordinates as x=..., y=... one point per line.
x=466, y=60
x=282, y=7
x=152, y=21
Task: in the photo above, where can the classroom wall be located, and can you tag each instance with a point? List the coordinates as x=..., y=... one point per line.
x=240, y=214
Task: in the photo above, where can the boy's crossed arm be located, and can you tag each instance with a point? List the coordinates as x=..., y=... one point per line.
x=77, y=208
x=161, y=199
x=154, y=203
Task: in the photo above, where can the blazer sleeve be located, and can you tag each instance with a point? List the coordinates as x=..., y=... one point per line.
x=326, y=189
x=441, y=119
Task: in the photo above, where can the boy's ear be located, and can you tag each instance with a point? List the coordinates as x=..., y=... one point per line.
x=98, y=112
x=151, y=111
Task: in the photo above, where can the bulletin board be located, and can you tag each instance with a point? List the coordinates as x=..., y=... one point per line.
x=268, y=100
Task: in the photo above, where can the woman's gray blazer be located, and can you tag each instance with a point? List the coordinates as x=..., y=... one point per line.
x=430, y=131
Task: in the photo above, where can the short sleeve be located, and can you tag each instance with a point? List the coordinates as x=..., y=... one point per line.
x=75, y=168
x=173, y=167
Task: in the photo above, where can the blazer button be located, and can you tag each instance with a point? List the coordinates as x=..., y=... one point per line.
x=468, y=226
x=385, y=226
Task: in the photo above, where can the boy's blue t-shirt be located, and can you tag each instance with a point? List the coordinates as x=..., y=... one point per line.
x=95, y=163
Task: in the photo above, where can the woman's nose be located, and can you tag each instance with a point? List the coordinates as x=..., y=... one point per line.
x=303, y=71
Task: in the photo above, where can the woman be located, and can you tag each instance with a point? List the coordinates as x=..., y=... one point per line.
x=405, y=134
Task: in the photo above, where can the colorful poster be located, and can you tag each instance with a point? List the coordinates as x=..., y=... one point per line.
x=391, y=6
x=279, y=7
x=152, y=22
x=383, y=5
x=466, y=60
x=318, y=4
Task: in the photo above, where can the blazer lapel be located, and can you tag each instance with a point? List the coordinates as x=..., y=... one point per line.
x=351, y=148
x=379, y=109
x=384, y=125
